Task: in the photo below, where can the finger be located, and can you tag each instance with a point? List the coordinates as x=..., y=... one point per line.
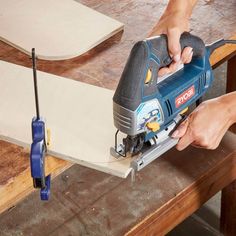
x=185, y=141
x=163, y=71
x=173, y=66
x=199, y=144
x=173, y=36
x=215, y=144
x=186, y=54
x=168, y=70
x=181, y=130
x=196, y=145
x=189, y=58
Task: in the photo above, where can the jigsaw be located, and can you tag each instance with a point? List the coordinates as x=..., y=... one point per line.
x=148, y=109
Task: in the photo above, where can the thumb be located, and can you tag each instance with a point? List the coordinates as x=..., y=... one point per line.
x=174, y=47
x=181, y=130
x=185, y=141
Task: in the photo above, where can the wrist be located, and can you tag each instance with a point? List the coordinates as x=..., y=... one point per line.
x=182, y=8
x=229, y=103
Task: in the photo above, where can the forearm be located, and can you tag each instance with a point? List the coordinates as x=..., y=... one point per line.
x=183, y=7
x=229, y=101
x=173, y=22
x=176, y=14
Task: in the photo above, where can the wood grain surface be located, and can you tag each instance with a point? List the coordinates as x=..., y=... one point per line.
x=159, y=183
x=58, y=29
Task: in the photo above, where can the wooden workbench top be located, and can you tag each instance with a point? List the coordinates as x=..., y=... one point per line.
x=89, y=202
x=102, y=66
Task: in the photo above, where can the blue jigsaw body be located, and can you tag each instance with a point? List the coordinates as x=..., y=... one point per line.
x=192, y=82
x=148, y=108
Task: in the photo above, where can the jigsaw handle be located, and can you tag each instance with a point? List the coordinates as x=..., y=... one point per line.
x=160, y=47
x=139, y=78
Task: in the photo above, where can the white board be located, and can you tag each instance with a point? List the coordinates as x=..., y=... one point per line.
x=58, y=29
x=79, y=116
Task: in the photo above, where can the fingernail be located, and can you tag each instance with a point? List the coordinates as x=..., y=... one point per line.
x=175, y=134
x=176, y=58
x=190, y=51
x=179, y=148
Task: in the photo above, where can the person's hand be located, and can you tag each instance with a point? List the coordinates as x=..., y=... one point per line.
x=173, y=23
x=207, y=124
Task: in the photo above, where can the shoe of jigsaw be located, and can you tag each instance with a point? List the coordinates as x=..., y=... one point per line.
x=146, y=108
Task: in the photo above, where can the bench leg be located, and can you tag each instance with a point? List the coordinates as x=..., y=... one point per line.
x=231, y=80
x=231, y=75
x=228, y=210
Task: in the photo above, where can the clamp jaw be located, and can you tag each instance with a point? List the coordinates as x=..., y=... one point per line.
x=37, y=158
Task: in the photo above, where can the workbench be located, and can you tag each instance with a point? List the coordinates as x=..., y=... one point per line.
x=168, y=190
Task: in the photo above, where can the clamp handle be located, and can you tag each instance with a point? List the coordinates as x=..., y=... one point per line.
x=37, y=158
x=45, y=192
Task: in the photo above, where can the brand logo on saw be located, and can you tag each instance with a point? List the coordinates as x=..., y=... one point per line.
x=185, y=96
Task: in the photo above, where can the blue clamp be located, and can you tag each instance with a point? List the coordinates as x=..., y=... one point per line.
x=37, y=158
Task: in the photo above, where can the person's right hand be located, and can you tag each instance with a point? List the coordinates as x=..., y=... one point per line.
x=173, y=23
x=207, y=124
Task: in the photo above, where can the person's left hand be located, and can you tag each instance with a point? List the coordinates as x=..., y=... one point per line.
x=205, y=126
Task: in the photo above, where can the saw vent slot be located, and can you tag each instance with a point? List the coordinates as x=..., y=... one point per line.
x=169, y=108
x=201, y=82
x=122, y=120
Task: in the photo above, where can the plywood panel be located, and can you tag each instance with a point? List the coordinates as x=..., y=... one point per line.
x=58, y=29
x=79, y=116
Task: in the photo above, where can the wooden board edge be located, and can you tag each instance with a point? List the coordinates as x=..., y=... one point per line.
x=65, y=57
x=92, y=165
x=58, y=156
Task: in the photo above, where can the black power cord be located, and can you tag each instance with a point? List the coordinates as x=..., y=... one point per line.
x=219, y=43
